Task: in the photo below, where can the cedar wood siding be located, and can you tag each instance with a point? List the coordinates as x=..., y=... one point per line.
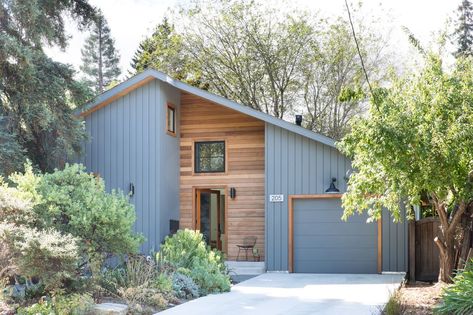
x=296, y=165
x=244, y=136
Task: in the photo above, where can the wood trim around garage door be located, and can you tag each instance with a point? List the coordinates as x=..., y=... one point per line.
x=291, y=227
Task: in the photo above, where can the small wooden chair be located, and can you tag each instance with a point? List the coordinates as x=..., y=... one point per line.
x=249, y=243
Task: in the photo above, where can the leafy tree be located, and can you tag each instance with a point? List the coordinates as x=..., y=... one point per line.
x=464, y=31
x=334, y=88
x=163, y=51
x=418, y=144
x=272, y=61
x=250, y=53
x=37, y=95
x=99, y=57
x=11, y=152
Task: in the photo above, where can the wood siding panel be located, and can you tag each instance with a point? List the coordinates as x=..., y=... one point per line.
x=244, y=136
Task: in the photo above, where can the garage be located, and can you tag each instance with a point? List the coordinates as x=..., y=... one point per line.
x=323, y=243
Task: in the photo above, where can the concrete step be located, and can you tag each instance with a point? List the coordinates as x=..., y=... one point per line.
x=245, y=267
x=244, y=263
x=110, y=309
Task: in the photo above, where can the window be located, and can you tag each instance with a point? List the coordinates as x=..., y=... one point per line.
x=210, y=157
x=171, y=119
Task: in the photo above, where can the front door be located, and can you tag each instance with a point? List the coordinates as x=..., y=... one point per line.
x=209, y=216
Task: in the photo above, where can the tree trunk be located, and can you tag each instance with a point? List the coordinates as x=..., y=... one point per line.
x=100, y=70
x=446, y=240
x=447, y=257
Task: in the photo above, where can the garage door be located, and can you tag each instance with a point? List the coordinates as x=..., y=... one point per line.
x=323, y=243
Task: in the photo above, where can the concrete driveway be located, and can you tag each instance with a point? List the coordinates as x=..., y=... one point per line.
x=281, y=293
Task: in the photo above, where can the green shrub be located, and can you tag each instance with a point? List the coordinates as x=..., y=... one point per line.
x=112, y=279
x=184, y=287
x=140, y=272
x=164, y=283
x=187, y=249
x=182, y=248
x=40, y=308
x=142, y=295
x=394, y=305
x=74, y=304
x=47, y=255
x=135, y=272
x=139, y=283
x=209, y=278
x=75, y=202
x=458, y=297
x=15, y=209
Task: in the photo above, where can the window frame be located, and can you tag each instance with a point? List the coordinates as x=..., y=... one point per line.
x=170, y=106
x=195, y=163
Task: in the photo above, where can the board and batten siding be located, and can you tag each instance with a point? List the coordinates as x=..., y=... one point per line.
x=296, y=165
x=395, y=242
x=128, y=144
x=202, y=120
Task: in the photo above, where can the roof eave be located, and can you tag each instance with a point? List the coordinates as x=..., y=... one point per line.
x=149, y=74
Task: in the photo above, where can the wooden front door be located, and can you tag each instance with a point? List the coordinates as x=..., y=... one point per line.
x=208, y=216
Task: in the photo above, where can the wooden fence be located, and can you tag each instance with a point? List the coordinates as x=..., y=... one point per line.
x=423, y=252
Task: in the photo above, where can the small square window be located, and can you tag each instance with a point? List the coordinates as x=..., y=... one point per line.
x=171, y=119
x=210, y=157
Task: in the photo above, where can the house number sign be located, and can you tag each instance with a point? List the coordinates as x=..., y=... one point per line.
x=276, y=198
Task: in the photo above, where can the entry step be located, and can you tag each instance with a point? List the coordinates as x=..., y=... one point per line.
x=246, y=267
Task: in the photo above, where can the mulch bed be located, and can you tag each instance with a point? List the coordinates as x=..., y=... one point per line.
x=420, y=298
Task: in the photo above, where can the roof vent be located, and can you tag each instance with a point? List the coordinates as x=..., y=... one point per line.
x=299, y=120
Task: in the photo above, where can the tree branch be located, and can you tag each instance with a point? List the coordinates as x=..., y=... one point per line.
x=440, y=245
x=440, y=211
x=457, y=217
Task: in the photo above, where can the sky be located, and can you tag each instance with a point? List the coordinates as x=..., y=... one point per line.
x=133, y=20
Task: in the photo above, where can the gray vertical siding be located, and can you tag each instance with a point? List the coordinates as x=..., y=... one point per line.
x=395, y=243
x=168, y=184
x=128, y=144
x=296, y=165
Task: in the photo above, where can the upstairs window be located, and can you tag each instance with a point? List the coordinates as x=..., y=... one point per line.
x=210, y=157
x=171, y=119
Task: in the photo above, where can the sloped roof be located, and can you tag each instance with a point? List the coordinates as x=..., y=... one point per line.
x=150, y=74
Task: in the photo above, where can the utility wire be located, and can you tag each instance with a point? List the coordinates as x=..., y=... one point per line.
x=361, y=57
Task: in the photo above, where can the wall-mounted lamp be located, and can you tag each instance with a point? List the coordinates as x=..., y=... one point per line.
x=332, y=189
x=232, y=192
x=132, y=190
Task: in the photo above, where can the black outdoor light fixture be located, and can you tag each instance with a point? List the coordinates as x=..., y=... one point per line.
x=232, y=192
x=132, y=190
x=332, y=189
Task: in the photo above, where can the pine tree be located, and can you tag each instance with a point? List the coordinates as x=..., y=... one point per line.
x=464, y=31
x=99, y=56
x=38, y=94
x=162, y=51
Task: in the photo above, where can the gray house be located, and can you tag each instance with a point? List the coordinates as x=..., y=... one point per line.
x=238, y=175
